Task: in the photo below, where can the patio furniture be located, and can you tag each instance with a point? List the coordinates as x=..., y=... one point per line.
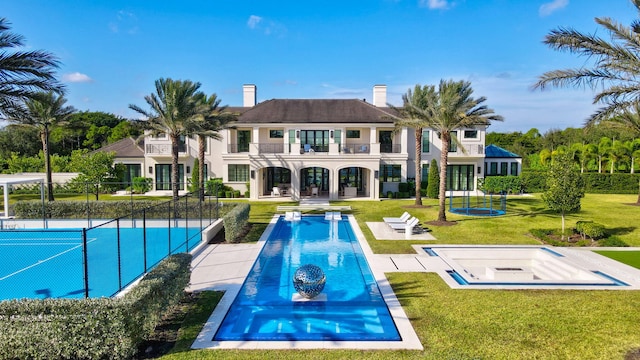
x=403, y=218
x=401, y=227
x=276, y=191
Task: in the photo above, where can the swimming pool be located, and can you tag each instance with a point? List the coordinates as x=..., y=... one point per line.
x=350, y=307
x=518, y=266
x=50, y=264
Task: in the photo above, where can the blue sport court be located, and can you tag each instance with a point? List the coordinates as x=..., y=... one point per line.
x=51, y=263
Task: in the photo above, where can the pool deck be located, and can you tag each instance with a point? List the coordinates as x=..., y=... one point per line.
x=224, y=267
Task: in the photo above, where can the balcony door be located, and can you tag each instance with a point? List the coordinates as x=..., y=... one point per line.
x=318, y=140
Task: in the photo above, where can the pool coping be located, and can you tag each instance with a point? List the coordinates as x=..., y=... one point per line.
x=583, y=257
x=410, y=340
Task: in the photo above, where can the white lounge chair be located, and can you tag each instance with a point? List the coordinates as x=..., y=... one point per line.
x=403, y=226
x=276, y=191
x=403, y=218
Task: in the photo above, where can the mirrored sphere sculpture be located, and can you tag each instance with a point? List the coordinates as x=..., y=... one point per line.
x=309, y=280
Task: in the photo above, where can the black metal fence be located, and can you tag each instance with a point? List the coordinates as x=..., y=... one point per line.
x=105, y=257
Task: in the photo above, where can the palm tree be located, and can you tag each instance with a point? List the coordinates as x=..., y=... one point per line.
x=211, y=119
x=409, y=118
x=23, y=74
x=450, y=108
x=604, y=148
x=618, y=153
x=42, y=112
x=174, y=104
x=615, y=68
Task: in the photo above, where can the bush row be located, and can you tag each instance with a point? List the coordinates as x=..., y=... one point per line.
x=596, y=183
x=235, y=221
x=105, y=328
x=32, y=209
x=500, y=184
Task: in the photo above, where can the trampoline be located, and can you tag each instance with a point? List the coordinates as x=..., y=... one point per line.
x=483, y=205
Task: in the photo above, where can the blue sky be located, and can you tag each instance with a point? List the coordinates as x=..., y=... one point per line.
x=113, y=51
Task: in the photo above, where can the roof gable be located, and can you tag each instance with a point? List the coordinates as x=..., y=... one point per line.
x=125, y=148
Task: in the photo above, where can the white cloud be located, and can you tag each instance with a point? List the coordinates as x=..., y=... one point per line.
x=549, y=8
x=266, y=26
x=253, y=21
x=76, y=77
x=435, y=4
x=125, y=21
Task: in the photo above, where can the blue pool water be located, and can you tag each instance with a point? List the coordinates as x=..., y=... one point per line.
x=50, y=264
x=349, y=308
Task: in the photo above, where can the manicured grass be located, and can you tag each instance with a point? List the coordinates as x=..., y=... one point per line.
x=523, y=213
x=631, y=258
x=491, y=324
x=487, y=324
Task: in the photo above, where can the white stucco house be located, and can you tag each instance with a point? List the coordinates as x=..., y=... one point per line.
x=329, y=148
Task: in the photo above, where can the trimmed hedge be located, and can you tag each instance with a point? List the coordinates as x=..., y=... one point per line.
x=32, y=209
x=595, y=183
x=105, y=328
x=501, y=184
x=235, y=221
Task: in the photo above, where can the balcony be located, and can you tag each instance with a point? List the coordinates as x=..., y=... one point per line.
x=473, y=150
x=271, y=148
x=355, y=148
x=390, y=148
x=238, y=148
x=162, y=149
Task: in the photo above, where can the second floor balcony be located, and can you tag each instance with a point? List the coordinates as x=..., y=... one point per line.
x=162, y=149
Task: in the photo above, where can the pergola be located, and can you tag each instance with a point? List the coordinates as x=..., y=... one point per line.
x=5, y=182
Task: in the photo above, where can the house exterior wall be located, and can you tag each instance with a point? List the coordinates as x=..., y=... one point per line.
x=277, y=145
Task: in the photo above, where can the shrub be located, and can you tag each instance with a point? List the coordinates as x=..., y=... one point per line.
x=403, y=187
x=498, y=184
x=534, y=181
x=590, y=229
x=613, y=241
x=104, y=328
x=433, y=185
x=235, y=221
x=389, y=194
x=141, y=184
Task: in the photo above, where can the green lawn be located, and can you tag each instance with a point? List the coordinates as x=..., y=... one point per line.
x=489, y=324
x=631, y=258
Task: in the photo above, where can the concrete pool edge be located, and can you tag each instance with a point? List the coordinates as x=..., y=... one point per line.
x=410, y=340
x=585, y=257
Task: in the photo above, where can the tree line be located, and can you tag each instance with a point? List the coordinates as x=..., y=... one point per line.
x=600, y=148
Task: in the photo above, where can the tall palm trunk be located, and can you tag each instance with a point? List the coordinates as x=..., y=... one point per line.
x=201, y=140
x=44, y=137
x=442, y=194
x=175, y=184
x=418, y=166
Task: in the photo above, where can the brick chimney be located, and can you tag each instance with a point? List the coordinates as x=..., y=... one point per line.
x=380, y=95
x=248, y=95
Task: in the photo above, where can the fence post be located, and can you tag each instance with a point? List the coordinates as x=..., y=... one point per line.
x=44, y=209
x=172, y=202
x=144, y=238
x=119, y=255
x=85, y=262
x=217, y=213
x=186, y=221
x=86, y=185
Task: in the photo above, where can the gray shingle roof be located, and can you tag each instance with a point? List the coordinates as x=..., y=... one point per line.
x=125, y=148
x=290, y=111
